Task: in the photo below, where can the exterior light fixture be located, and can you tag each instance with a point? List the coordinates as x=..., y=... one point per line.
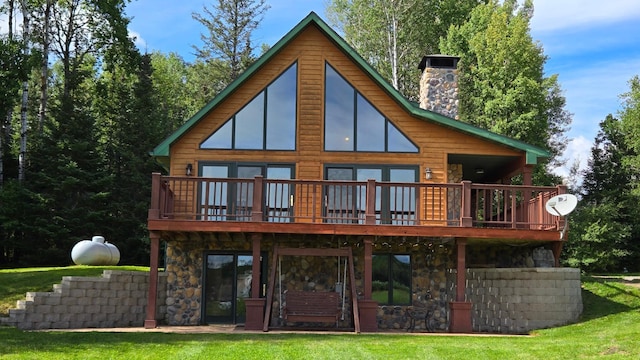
x=428, y=174
x=189, y=169
x=479, y=171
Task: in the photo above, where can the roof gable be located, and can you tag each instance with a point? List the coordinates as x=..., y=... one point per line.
x=161, y=152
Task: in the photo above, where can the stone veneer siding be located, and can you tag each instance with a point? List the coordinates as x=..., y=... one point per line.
x=430, y=257
x=117, y=299
x=505, y=299
x=184, y=267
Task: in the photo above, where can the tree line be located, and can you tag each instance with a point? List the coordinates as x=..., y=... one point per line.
x=81, y=107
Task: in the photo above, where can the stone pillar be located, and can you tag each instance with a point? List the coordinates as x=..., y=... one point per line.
x=460, y=309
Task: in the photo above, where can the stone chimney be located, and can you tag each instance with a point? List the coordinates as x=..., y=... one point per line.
x=439, y=84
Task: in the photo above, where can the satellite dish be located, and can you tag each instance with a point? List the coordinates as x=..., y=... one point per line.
x=561, y=205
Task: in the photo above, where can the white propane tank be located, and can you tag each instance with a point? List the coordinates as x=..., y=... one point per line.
x=95, y=252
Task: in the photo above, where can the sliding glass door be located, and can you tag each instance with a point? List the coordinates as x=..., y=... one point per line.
x=346, y=203
x=228, y=282
x=221, y=200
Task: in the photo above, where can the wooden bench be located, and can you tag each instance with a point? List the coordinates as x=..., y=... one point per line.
x=308, y=306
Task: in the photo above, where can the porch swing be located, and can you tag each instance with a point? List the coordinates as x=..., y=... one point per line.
x=312, y=306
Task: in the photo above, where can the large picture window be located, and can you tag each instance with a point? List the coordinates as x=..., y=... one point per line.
x=352, y=123
x=391, y=279
x=267, y=122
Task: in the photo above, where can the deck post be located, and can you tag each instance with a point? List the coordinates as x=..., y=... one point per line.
x=556, y=247
x=527, y=180
x=460, y=309
x=154, y=207
x=370, y=211
x=368, y=308
x=465, y=219
x=150, y=322
x=255, y=304
x=256, y=210
x=368, y=266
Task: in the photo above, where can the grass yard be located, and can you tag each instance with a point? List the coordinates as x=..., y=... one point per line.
x=610, y=328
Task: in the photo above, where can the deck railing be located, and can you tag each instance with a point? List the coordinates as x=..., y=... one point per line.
x=352, y=202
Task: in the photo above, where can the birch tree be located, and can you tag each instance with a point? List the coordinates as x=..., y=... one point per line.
x=14, y=70
x=394, y=35
x=26, y=34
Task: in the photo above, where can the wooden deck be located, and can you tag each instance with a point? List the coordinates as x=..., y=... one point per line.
x=468, y=210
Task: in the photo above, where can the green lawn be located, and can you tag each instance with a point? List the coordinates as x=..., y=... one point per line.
x=610, y=329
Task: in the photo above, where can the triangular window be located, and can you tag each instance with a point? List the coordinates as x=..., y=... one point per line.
x=352, y=123
x=267, y=122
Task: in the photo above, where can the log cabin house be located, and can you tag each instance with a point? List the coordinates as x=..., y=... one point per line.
x=310, y=193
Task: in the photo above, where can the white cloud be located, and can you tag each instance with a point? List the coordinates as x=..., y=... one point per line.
x=553, y=15
x=138, y=40
x=578, y=151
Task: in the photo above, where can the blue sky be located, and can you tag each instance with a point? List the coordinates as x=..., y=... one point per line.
x=593, y=46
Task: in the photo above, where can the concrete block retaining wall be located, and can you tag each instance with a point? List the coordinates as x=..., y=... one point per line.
x=518, y=300
x=117, y=299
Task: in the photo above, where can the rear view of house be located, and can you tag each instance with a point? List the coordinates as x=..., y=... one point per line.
x=310, y=193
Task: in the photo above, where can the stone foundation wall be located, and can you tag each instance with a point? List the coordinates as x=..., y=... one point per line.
x=506, y=300
x=117, y=299
x=518, y=300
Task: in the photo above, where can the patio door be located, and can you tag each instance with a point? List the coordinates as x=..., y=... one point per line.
x=347, y=203
x=234, y=201
x=228, y=280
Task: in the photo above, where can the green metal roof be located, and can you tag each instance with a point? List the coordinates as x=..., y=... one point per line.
x=161, y=152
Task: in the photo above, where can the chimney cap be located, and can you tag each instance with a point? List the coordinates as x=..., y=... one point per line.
x=439, y=61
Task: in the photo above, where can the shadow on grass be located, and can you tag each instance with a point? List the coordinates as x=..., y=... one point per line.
x=604, y=296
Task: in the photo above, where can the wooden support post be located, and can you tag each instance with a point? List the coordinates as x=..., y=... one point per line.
x=270, y=286
x=527, y=175
x=255, y=266
x=460, y=309
x=368, y=308
x=370, y=211
x=154, y=207
x=152, y=296
x=256, y=210
x=461, y=269
x=556, y=247
x=527, y=180
x=255, y=304
x=465, y=219
x=368, y=266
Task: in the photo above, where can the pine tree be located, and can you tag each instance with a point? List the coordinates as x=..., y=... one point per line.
x=229, y=28
x=602, y=227
x=130, y=125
